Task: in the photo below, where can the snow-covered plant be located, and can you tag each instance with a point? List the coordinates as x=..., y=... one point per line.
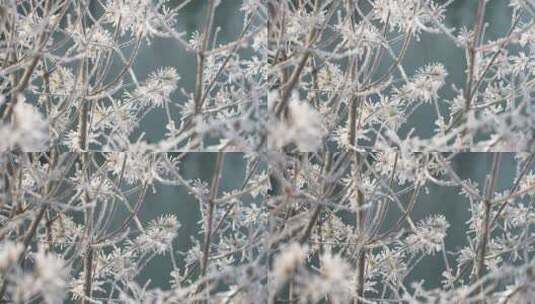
x=72, y=227
x=357, y=229
x=75, y=63
x=321, y=182
x=347, y=60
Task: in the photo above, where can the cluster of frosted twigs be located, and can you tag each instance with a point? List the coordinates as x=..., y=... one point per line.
x=286, y=165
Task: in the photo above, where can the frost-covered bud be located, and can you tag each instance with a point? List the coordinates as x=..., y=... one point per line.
x=158, y=236
x=287, y=262
x=425, y=85
x=157, y=89
x=429, y=235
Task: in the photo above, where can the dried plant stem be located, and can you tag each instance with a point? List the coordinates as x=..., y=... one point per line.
x=361, y=267
x=361, y=259
x=485, y=234
x=25, y=79
x=472, y=54
x=525, y=169
x=296, y=75
x=84, y=112
x=288, y=88
x=484, y=240
x=88, y=257
x=201, y=57
x=214, y=186
x=353, y=103
x=31, y=231
x=327, y=189
x=352, y=121
x=88, y=275
x=313, y=220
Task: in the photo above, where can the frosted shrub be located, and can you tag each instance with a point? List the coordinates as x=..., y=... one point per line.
x=341, y=227
x=349, y=61
x=72, y=228
x=76, y=63
x=366, y=234
x=329, y=197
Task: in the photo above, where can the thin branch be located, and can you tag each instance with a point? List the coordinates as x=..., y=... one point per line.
x=486, y=229
x=210, y=215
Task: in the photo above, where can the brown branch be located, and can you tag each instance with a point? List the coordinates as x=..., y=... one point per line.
x=201, y=56
x=361, y=260
x=214, y=186
x=472, y=54
x=41, y=43
x=483, y=243
x=88, y=258
x=32, y=229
